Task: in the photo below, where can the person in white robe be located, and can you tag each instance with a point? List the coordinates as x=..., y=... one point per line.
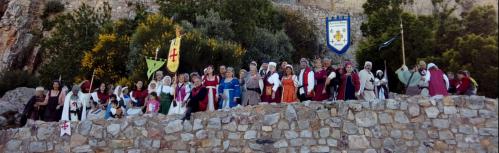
x=367, y=82
x=74, y=106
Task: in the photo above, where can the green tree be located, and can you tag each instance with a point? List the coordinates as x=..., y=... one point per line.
x=74, y=33
x=302, y=34
x=383, y=23
x=478, y=54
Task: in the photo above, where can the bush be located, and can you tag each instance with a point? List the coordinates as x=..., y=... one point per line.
x=10, y=80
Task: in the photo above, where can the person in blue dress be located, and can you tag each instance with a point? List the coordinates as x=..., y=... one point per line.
x=229, y=90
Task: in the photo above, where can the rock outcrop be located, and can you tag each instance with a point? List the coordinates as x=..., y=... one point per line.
x=404, y=124
x=12, y=104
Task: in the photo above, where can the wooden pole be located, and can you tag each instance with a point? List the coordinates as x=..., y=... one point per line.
x=91, y=82
x=156, y=55
x=402, y=35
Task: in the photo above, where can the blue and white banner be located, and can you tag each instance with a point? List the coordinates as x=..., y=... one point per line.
x=338, y=33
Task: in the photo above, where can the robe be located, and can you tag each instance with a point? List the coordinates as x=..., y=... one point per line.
x=231, y=90
x=271, y=85
x=355, y=84
x=438, y=83
x=367, y=85
x=67, y=115
x=254, y=88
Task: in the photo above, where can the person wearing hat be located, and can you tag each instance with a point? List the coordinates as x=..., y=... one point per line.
x=350, y=83
x=438, y=83
x=253, y=85
x=33, y=110
x=289, y=85
x=306, y=81
x=74, y=109
x=271, y=84
x=381, y=85
x=367, y=82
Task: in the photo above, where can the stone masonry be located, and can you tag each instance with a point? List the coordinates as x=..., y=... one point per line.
x=403, y=124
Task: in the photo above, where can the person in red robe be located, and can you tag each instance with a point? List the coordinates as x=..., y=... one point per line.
x=320, y=75
x=438, y=83
x=349, y=84
x=464, y=85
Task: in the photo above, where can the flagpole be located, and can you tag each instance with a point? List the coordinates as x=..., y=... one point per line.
x=91, y=82
x=402, y=35
x=156, y=55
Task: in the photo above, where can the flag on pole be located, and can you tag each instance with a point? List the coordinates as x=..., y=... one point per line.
x=174, y=55
x=153, y=65
x=387, y=43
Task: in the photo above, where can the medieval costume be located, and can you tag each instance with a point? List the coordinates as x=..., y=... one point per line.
x=74, y=109
x=54, y=102
x=211, y=83
x=95, y=112
x=165, y=92
x=34, y=109
x=381, y=84
x=332, y=82
x=182, y=93
x=349, y=85
x=410, y=79
x=320, y=85
x=464, y=86
x=101, y=96
x=229, y=88
x=198, y=94
x=367, y=82
x=271, y=84
x=438, y=83
x=254, y=88
x=289, y=86
x=138, y=97
x=423, y=83
x=306, y=81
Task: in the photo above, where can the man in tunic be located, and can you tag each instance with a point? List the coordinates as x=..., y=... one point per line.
x=306, y=81
x=74, y=109
x=367, y=82
x=253, y=85
x=410, y=79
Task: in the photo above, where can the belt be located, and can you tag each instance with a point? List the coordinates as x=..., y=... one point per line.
x=255, y=89
x=211, y=87
x=368, y=89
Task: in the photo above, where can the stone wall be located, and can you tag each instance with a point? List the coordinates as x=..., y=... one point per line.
x=404, y=124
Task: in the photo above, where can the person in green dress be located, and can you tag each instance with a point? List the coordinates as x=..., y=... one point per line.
x=165, y=92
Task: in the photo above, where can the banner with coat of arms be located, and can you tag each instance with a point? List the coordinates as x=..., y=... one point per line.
x=338, y=34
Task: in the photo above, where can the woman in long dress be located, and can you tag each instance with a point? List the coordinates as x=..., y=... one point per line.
x=253, y=85
x=229, y=90
x=289, y=85
x=320, y=75
x=211, y=82
x=182, y=93
x=349, y=85
x=165, y=92
x=53, y=103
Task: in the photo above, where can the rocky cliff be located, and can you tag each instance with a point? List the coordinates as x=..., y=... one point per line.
x=20, y=25
x=403, y=124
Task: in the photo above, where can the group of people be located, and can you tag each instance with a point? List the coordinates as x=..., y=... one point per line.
x=184, y=94
x=429, y=80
